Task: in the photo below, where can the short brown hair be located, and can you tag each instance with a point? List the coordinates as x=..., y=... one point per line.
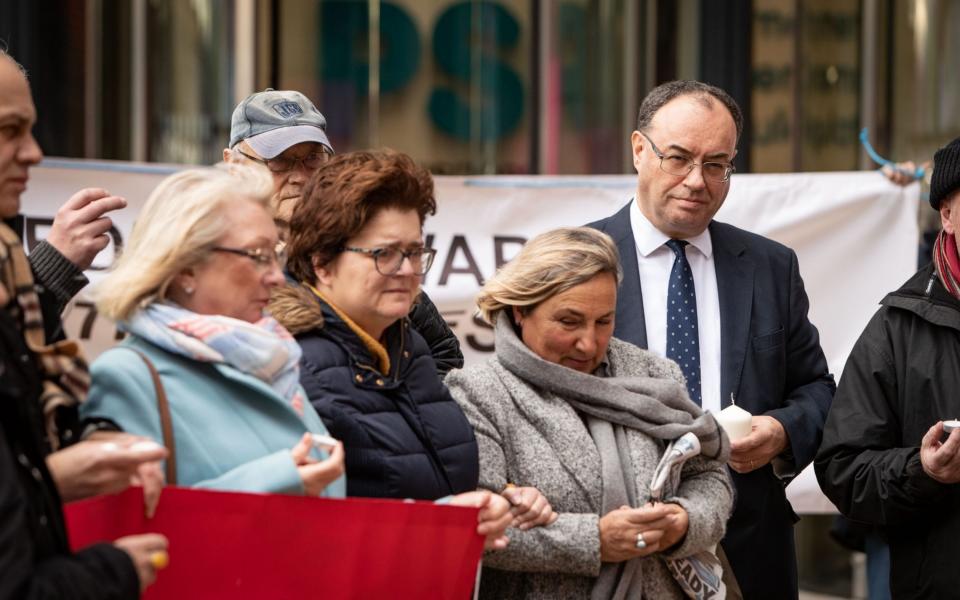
x=342, y=197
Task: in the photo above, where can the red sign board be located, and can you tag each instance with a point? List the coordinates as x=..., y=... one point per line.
x=240, y=546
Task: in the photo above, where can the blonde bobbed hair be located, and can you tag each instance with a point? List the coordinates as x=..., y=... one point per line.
x=181, y=222
x=549, y=264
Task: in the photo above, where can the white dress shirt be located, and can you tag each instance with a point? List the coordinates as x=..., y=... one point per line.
x=655, y=261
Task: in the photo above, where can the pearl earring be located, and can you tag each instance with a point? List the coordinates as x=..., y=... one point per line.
x=188, y=290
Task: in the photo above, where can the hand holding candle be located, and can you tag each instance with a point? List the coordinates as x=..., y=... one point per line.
x=948, y=427
x=766, y=440
x=941, y=459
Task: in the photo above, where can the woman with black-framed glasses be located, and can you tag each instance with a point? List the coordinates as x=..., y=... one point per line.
x=357, y=253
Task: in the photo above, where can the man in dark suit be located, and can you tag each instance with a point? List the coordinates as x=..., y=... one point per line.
x=729, y=306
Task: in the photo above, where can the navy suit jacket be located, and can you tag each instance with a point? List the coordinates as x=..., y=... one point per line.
x=771, y=364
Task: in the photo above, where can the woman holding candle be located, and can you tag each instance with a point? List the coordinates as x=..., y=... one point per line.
x=584, y=419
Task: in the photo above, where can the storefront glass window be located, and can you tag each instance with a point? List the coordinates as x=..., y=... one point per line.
x=806, y=85
x=189, y=79
x=450, y=85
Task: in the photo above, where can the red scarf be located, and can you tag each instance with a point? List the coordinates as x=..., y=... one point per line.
x=947, y=262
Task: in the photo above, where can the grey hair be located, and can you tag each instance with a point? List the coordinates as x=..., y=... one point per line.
x=549, y=264
x=6, y=55
x=664, y=93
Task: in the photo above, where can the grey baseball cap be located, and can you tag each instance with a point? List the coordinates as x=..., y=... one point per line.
x=273, y=120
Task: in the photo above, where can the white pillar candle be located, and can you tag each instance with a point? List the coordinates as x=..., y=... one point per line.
x=145, y=446
x=735, y=421
x=948, y=427
x=324, y=442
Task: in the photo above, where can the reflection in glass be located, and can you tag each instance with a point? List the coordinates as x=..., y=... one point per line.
x=189, y=79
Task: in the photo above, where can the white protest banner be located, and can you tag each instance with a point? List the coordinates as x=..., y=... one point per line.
x=855, y=235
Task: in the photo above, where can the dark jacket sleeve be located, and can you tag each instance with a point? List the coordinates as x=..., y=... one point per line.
x=58, y=281
x=56, y=273
x=444, y=345
x=862, y=466
x=809, y=386
x=101, y=571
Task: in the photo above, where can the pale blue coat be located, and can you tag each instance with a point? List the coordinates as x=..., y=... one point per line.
x=231, y=430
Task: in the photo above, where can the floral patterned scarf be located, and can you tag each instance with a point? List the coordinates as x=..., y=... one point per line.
x=263, y=349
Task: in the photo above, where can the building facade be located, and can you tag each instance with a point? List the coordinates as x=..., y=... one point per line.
x=498, y=86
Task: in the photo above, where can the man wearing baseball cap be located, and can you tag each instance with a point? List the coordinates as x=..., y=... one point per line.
x=887, y=457
x=283, y=130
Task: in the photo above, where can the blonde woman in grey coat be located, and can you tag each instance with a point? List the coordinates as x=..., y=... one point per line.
x=565, y=410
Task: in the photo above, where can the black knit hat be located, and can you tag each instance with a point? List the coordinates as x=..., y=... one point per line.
x=946, y=173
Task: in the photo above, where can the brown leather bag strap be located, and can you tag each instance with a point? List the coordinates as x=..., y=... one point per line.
x=166, y=423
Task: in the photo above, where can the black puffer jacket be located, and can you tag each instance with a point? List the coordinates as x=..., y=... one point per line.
x=902, y=376
x=35, y=559
x=444, y=345
x=403, y=434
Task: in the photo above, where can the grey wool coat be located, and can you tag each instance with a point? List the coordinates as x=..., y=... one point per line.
x=530, y=438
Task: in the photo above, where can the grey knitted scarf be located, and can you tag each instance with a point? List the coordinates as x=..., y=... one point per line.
x=659, y=408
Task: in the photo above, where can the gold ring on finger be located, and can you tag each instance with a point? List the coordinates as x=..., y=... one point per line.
x=159, y=559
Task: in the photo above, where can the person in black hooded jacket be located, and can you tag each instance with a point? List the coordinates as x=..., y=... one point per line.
x=885, y=459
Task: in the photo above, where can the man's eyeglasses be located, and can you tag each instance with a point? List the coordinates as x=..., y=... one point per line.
x=264, y=257
x=282, y=164
x=679, y=165
x=389, y=260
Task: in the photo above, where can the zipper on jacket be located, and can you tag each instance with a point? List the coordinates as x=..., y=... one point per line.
x=929, y=289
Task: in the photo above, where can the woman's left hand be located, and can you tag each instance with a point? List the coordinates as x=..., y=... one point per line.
x=530, y=507
x=316, y=475
x=494, y=517
x=678, y=521
x=660, y=525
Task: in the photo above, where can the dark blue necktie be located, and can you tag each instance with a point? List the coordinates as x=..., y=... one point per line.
x=683, y=339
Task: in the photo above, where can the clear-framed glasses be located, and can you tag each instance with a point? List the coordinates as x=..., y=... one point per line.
x=679, y=165
x=388, y=260
x=264, y=257
x=282, y=164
